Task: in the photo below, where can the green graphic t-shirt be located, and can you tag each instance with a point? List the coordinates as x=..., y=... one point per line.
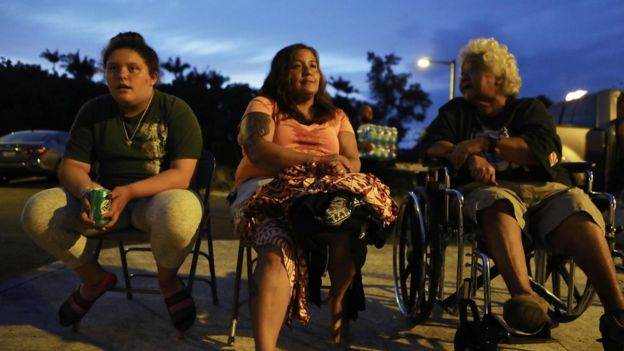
x=169, y=131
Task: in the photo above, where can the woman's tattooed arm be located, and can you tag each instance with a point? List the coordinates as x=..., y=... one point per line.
x=254, y=126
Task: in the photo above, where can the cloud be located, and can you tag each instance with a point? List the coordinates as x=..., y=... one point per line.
x=259, y=55
x=335, y=62
x=192, y=46
x=76, y=24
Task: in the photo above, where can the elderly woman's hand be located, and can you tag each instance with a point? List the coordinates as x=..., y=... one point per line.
x=335, y=164
x=465, y=149
x=481, y=170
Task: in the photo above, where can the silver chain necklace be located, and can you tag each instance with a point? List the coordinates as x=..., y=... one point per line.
x=130, y=138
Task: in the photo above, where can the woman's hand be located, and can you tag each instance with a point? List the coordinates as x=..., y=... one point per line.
x=464, y=149
x=120, y=196
x=481, y=170
x=335, y=164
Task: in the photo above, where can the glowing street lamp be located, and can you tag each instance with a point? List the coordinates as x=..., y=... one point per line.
x=575, y=95
x=425, y=62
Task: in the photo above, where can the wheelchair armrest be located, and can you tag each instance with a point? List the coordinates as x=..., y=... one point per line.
x=582, y=173
x=579, y=166
x=440, y=169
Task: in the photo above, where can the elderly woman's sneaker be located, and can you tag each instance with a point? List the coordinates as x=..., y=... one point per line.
x=612, y=332
x=526, y=313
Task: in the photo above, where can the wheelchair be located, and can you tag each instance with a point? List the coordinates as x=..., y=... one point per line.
x=431, y=219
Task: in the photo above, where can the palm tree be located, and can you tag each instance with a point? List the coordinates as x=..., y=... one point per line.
x=216, y=80
x=176, y=67
x=53, y=57
x=84, y=68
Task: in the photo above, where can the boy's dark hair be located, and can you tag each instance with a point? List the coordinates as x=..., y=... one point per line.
x=133, y=41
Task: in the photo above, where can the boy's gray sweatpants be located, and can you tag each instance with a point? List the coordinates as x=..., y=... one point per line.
x=52, y=219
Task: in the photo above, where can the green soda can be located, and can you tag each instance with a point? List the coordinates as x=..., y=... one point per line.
x=100, y=203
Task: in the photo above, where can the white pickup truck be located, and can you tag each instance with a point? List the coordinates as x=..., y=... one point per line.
x=588, y=128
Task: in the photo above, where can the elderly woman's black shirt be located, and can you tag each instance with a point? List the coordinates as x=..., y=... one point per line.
x=526, y=118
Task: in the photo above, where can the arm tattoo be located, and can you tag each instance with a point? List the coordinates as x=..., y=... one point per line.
x=254, y=126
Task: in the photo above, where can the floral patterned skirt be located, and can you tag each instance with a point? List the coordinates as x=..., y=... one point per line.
x=263, y=219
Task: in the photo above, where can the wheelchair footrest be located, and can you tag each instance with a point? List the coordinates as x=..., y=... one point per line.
x=485, y=333
x=541, y=336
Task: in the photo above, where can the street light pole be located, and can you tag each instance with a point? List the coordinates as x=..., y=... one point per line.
x=425, y=62
x=452, y=89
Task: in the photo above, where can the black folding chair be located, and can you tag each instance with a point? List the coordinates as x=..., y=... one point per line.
x=201, y=184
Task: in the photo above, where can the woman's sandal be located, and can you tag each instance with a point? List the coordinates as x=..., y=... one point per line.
x=183, y=318
x=338, y=327
x=76, y=306
x=339, y=335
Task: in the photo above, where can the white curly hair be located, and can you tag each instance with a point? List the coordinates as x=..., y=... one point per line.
x=496, y=57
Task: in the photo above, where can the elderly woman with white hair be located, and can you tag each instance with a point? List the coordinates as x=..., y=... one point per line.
x=507, y=155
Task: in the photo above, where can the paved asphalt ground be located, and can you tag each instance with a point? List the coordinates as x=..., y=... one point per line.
x=31, y=294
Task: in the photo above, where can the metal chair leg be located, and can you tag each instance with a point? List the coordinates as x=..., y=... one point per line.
x=237, y=283
x=124, y=266
x=250, y=282
x=211, y=265
x=196, y=251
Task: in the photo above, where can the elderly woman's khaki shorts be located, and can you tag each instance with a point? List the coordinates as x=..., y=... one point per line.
x=540, y=205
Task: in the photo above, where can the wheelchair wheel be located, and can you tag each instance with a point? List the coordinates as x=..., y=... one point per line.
x=582, y=291
x=416, y=259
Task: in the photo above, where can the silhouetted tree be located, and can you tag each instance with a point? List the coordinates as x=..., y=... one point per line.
x=53, y=57
x=176, y=67
x=342, y=86
x=197, y=79
x=216, y=80
x=84, y=68
x=397, y=100
x=33, y=98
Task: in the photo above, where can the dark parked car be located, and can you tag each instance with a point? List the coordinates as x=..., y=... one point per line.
x=31, y=152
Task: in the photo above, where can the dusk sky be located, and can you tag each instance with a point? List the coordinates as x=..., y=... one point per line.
x=560, y=45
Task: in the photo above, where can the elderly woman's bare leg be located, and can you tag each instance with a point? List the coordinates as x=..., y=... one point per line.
x=525, y=311
x=268, y=307
x=503, y=240
x=341, y=271
x=581, y=238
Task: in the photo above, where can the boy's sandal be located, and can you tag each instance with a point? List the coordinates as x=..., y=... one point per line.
x=183, y=318
x=76, y=307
